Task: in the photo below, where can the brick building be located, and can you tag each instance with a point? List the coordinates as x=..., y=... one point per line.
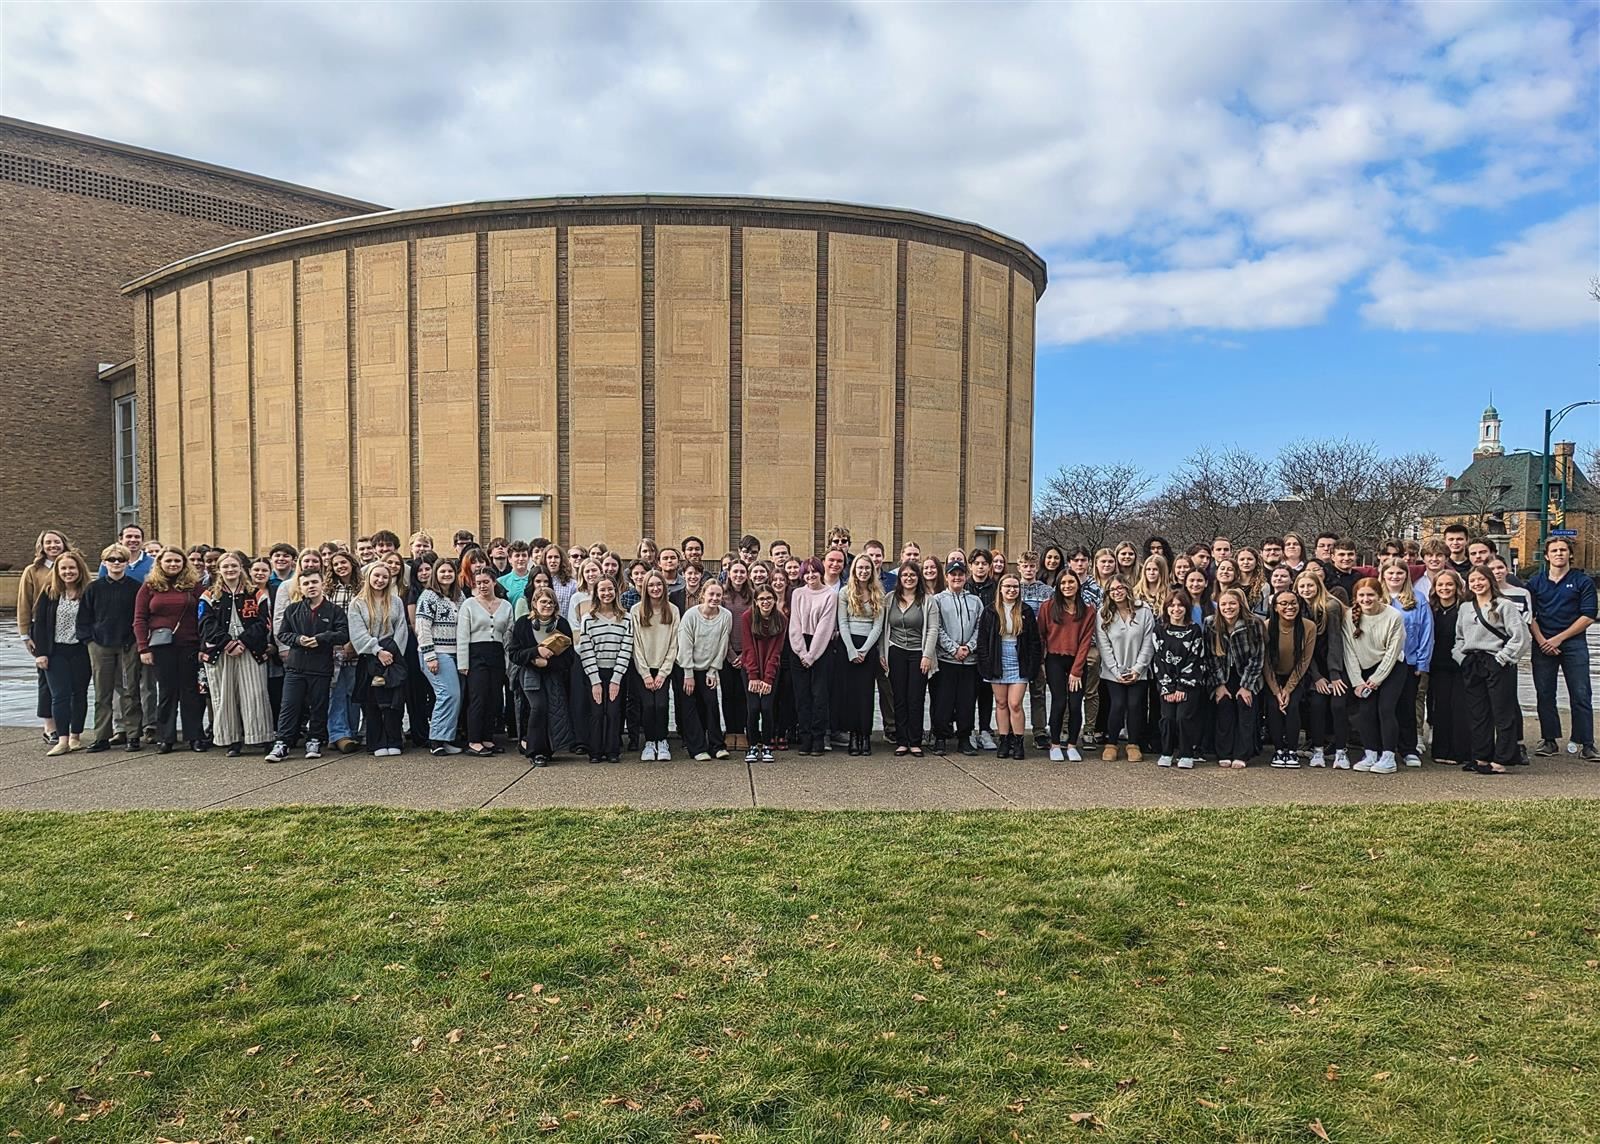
x=79, y=217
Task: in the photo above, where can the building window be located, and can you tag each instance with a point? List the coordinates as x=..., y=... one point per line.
x=127, y=463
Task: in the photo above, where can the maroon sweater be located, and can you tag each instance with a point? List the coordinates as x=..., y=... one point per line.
x=761, y=656
x=170, y=609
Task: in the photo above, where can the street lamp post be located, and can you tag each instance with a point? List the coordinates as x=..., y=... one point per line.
x=1551, y=421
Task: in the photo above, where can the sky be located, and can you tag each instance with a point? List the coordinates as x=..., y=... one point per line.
x=1262, y=221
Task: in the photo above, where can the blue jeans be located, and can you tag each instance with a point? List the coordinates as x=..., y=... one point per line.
x=1572, y=660
x=446, y=684
x=342, y=714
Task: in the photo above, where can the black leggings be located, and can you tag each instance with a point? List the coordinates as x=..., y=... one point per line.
x=536, y=728
x=858, y=694
x=811, y=694
x=1330, y=719
x=177, y=670
x=1377, y=717
x=760, y=714
x=653, y=706
x=68, y=674
x=486, y=677
x=1126, y=706
x=1066, y=705
x=1406, y=708
x=1283, y=727
x=605, y=719
x=910, y=689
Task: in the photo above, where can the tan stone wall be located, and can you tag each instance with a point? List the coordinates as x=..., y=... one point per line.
x=383, y=399
x=1019, y=443
x=861, y=365
x=988, y=377
x=276, y=436
x=324, y=399
x=523, y=442
x=230, y=411
x=168, y=446
x=935, y=301
x=194, y=387
x=447, y=383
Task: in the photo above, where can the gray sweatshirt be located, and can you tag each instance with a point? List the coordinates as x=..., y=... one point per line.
x=1472, y=634
x=1128, y=644
x=703, y=640
x=362, y=636
x=859, y=633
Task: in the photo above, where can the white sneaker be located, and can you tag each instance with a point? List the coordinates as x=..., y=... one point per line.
x=1366, y=762
x=1164, y=761
x=313, y=749
x=1055, y=754
x=1186, y=764
x=648, y=755
x=663, y=752
x=1317, y=759
x=1341, y=760
x=703, y=757
x=1384, y=765
x=1291, y=761
x=753, y=755
x=1413, y=760
x=1073, y=755
x=985, y=741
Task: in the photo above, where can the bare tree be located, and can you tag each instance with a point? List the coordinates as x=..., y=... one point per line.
x=1474, y=502
x=1591, y=464
x=1229, y=493
x=1349, y=487
x=1090, y=504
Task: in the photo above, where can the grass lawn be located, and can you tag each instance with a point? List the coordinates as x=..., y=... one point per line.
x=1417, y=973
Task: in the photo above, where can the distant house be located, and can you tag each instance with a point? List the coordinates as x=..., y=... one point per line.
x=1498, y=496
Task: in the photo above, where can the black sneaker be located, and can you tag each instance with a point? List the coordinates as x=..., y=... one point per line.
x=279, y=752
x=1547, y=748
x=97, y=746
x=134, y=744
x=1041, y=742
x=1588, y=754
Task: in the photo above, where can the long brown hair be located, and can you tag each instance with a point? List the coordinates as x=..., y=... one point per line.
x=1221, y=629
x=1010, y=616
x=159, y=581
x=38, y=545
x=647, y=609
x=765, y=627
x=55, y=588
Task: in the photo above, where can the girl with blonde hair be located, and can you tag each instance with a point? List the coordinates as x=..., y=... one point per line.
x=59, y=650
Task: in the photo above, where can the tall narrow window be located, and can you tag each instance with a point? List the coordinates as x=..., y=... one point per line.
x=127, y=466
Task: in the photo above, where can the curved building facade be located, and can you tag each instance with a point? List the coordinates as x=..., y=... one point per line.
x=595, y=368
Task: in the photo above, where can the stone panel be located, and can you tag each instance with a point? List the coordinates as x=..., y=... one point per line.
x=447, y=383
x=605, y=375
x=277, y=448
x=167, y=400
x=194, y=377
x=861, y=384
x=383, y=397
x=325, y=398
x=1019, y=527
x=988, y=309
x=522, y=366
x=692, y=354
x=779, y=370
x=935, y=305
x=230, y=408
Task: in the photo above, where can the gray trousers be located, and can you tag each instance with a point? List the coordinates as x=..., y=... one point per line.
x=117, y=674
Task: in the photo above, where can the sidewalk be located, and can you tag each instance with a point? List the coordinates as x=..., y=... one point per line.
x=117, y=780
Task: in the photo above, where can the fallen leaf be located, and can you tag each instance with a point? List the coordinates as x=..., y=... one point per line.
x=1382, y=1075
x=1332, y=1072
x=694, y=1106
x=252, y=1050
x=418, y=1044
x=1126, y=1083
x=918, y=997
x=454, y=1036
x=154, y=1036
x=1087, y=1120
x=999, y=992
x=1204, y=1103
x=102, y=1007
x=1318, y=1130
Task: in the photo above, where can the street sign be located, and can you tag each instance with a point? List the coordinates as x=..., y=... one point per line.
x=1564, y=533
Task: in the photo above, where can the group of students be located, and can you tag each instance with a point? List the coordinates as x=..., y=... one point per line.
x=581, y=650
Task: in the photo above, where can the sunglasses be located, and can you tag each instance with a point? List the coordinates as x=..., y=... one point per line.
x=116, y=559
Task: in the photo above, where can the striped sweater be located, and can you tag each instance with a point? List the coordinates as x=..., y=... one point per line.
x=605, y=644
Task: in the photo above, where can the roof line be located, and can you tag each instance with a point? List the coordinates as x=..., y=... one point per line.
x=386, y=219
x=111, y=371
x=181, y=161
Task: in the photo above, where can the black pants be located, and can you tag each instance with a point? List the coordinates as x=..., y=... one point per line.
x=731, y=685
x=886, y=705
x=536, y=722
x=788, y=713
x=633, y=711
x=68, y=675
x=418, y=696
x=1330, y=719
x=1496, y=714
x=303, y=693
x=760, y=714
x=177, y=669
x=605, y=719
x=835, y=706
x=1180, y=726
x=486, y=680
x=653, y=709
x=1236, y=726
x=859, y=691
x=910, y=690
x=1126, y=706
x=1283, y=727
x=985, y=716
x=1447, y=711
x=700, y=717
x=811, y=695
x=383, y=711
x=1066, y=705
x=45, y=705
x=955, y=690
x=1406, y=711
x=1377, y=717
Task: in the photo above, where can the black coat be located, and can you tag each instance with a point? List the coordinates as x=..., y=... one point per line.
x=255, y=615
x=1030, y=648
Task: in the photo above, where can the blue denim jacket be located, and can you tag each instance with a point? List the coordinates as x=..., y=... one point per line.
x=1419, y=633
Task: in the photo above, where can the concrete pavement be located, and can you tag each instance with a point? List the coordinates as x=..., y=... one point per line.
x=117, y=780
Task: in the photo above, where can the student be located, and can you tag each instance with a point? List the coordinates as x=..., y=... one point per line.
x=420, y=542
x=787, y=719
x=1488, y=641
x=909, y=654
x=955, y=684
x=561, y=581
x=704, y=635
x=1330, y=726
x=341, y=581
x=779, y=551
x=1455, y=541
x=1418, y=652
x=105, y=621
x=668, y=561
x=1198, y=589
x=235, y=632
x=1235, y=640
x=139, y=561
x=1563, y=608
x=1327, y=544
x=1447, y=697
x=1154, y=584
x=1159, y=546
x=736, y=597
x=1052, y=562
x=1066, y=629
x=1225, y=575
x=515, y=582
x=1374, y=640
x=749, y=549
x=1034, y=593
x=1518, y=596
x=655, y=655
x=1289, y=644
x=1125, y=635
x=1271, y=553
x=499, y=552
x=762, y=642
x=166, y=626
x=463, y=540
x=307, y=632
x=605, y=649
x=30, y=586
x=933, y=575
x=1127, y=562
x=418, y=691
x=541, y=648
x=860, y=627
x=60, y=648
x=483, y=626
x=1253, y=574
x=1181, y=567
x=579, y=603
x=1009, y=654
x=813, y=619
x=436, y=613
x=687, y=594
x=1183, y=676
x=1280, y=579
x=377, y=623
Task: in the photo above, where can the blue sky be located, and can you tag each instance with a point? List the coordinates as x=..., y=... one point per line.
x=1262, y=220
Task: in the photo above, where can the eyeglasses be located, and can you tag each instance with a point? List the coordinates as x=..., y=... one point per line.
x=116, y=559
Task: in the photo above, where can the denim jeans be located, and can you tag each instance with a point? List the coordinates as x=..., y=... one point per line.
x=446, y=684
x=340, y=710
x=1572, y=661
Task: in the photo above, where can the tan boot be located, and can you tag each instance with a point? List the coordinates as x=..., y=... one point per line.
x=1134, y=754
x=1109, y=754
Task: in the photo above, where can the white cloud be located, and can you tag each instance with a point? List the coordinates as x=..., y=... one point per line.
x=1256, y=141
x=1539, y=281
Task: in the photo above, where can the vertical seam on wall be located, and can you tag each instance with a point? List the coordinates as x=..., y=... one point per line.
x=177, y=361
x=480, y=294
x=735, y=384
x=819, y=494
x=1011, y=548
x=149, y=515
x=253, y=501
x=299, y=408
x=211, y=397
x=897, y=540
x=647, y=378
x=351, y=353
x=413, y=388
x=966, y=366
x=563, y=400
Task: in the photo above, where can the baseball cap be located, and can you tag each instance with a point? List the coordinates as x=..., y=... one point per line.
x=955, y=566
